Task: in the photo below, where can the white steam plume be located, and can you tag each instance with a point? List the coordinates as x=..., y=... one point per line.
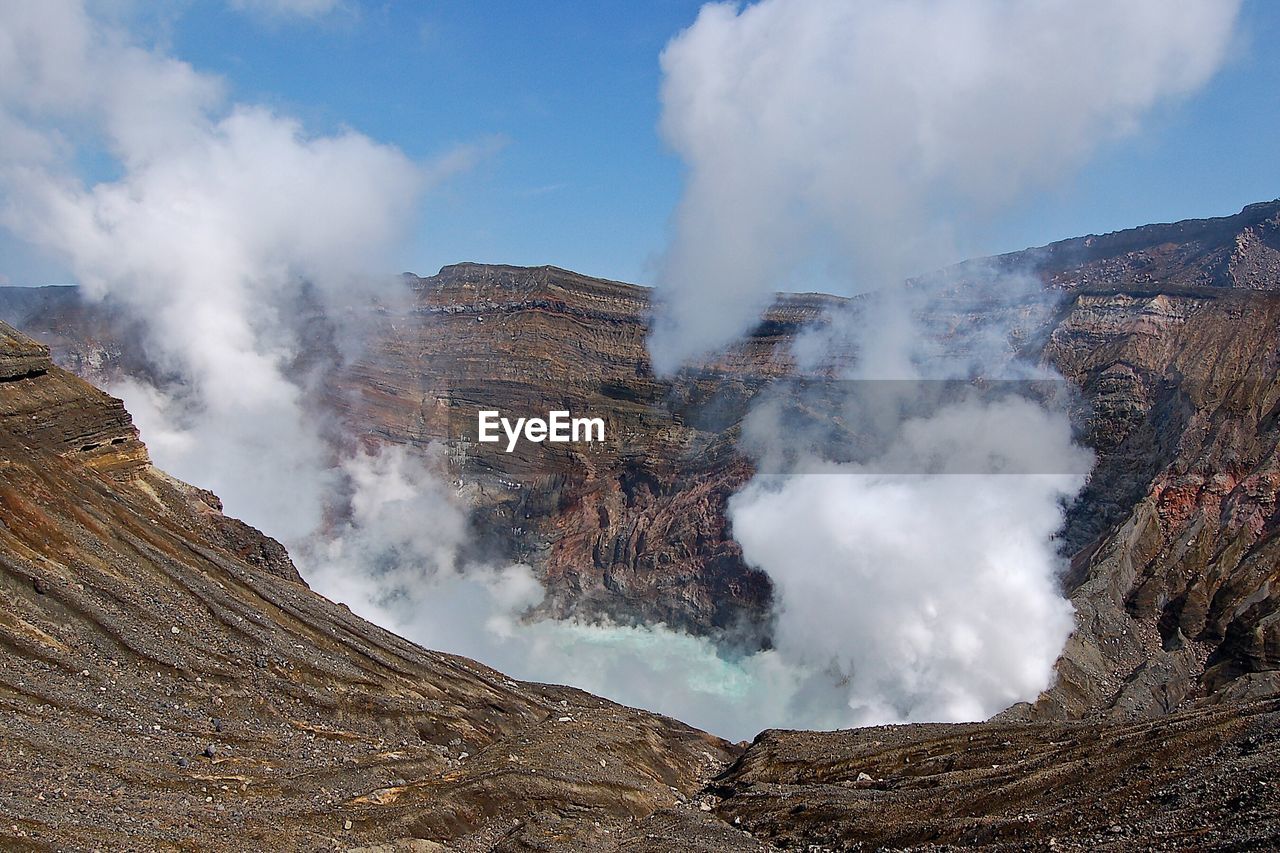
x=220, y=214
x=865, y=133
x=917, y=581
x=226, y=229
x=923, y=596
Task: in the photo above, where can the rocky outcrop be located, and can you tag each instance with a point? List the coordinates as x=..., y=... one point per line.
x=20, y=357
x=1174, y=539
x=1172, y=335
x=1240, y=252
x=52, y=410
x=632, y=529
x=1200, y=780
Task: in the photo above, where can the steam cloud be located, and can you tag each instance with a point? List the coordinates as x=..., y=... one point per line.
x=227, y=229
x=915, y=582
x=208, y=235
x=863, y=134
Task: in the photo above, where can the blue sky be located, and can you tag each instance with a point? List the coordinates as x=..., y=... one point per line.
x=563, y=95
x=562, y=98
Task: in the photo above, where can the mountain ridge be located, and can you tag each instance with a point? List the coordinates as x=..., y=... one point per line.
x=638, y=534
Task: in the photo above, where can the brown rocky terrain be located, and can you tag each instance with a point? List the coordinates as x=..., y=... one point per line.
x=169, y=682
x=633, y=528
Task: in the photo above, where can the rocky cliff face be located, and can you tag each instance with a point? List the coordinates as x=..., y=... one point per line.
x=632, y=528
x=1170, y=332
x=1175, y=537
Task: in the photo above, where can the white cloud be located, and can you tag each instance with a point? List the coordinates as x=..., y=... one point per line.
x=868, y=138
x=870, y=133
x=221, y=213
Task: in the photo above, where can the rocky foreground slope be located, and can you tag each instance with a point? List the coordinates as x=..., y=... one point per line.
x=167, y=682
